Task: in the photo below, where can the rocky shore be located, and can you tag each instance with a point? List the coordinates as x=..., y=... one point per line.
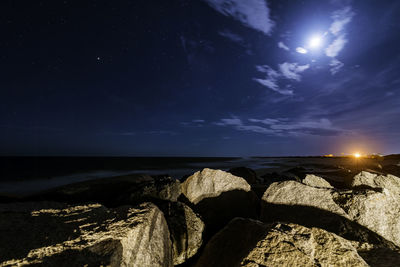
x=209, y=218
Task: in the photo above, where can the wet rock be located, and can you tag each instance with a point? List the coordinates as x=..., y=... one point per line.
x=316, y=181
x=246, y=242
x=55, y=234
x=372, y=180
x=218, y=197
x=186, y=230
x=246, y=173
x=115, y=191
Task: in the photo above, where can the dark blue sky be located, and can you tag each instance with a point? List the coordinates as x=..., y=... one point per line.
x=199, y=78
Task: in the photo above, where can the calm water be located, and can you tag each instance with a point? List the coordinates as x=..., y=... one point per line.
x=25, y=183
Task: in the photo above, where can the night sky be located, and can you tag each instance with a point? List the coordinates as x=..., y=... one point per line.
x=199, y=78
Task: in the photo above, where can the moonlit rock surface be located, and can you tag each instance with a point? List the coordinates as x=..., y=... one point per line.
x=316, y=181
x=55, y=234
x=186, y=230
x=390, y=182
x=211, y=183
x=376, y=210
x=246, y=242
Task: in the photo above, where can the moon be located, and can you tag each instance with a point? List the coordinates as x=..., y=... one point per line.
x=315, y=42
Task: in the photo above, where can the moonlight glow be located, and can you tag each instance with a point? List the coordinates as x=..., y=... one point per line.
x=315, y=42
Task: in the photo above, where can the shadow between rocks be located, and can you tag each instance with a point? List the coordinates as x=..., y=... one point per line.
x=314, y=217
x=217, y=212
x=242, y=239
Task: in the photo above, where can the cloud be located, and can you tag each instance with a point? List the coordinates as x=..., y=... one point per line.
x=271, y=80
x=229, y=122
x=336, y=66
x=285, y=127
x=265, y=121
x=252, y=13
x=193, y=123
x=292, y=70
x=336, y=46
x=236, y=38
x=238, y=125
x=340, y=18
x=231, y=36
x=283, y=46
x=301, y=50
x=287, y=70
x=255, y=129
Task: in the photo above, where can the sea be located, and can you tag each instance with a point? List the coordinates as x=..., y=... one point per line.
x=27, y=175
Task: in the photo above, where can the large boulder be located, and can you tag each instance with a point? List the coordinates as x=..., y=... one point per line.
x=367, y=217
x=316, y=181
x=372, y=180
x=115, y=191
x=186, y=230
x=211, y=183
x=218, y=197
x=55, y=234
x=273, y=177
x=246, y=242
x=246, y=173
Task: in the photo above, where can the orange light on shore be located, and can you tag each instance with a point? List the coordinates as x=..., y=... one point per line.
x=357, y=155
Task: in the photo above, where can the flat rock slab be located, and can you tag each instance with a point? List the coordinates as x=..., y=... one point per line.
x=55, y=234
x=246, y=242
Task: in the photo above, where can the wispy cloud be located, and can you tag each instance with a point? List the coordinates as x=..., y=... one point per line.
x=284, y=126
x=286, y=70
x=193, y=123
x=265, y=121
x=283, y=46
x=336, y=46
x=336, y=66
x=229, y=122
x=292, y=70
x=252, y=13
x=238, y=125
x=271, y=80
x=231, y=36
x=340, y=18
x=236, y=38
